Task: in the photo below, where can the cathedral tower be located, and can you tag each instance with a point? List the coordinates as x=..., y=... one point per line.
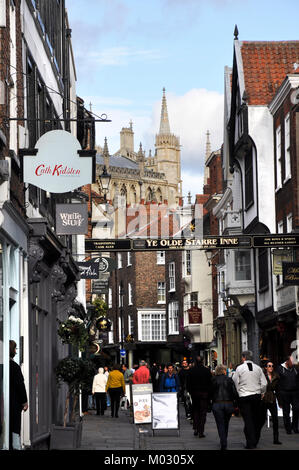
x=168, y=155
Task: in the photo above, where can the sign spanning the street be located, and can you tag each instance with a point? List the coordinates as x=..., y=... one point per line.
x=56, y=165
x=71, y=219
x=275, y=241
x=205, y=243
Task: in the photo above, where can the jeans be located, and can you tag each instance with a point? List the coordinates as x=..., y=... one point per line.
x=222, y=413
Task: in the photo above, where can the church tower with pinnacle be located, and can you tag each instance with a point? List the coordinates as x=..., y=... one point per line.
x=168, y=154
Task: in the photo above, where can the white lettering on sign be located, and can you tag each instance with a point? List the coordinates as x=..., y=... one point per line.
x=74, y=219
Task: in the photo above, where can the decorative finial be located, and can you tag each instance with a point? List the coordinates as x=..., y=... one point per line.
x=244, y=97
x=131, y=124
x=105, y=149
x=189, y=197
x=236, y=32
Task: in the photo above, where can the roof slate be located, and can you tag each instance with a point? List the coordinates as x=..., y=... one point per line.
x=265, y=66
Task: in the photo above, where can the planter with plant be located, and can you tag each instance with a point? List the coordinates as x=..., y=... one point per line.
x=72, y=372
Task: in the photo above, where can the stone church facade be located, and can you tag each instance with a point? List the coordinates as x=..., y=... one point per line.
x=137, y=178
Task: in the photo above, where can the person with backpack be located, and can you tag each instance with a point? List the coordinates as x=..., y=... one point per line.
x=170, y=380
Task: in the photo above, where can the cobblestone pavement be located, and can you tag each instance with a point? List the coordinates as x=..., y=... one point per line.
x=106, y=433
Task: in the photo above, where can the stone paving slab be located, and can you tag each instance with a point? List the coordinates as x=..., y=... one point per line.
x=106, y=433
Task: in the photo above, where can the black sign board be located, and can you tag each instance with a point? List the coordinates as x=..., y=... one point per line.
x=189, y=243
x=88, y=270
x=106, y=265
x=100, y=286
x=275, y=241
x=290, y=272
x=94, y=244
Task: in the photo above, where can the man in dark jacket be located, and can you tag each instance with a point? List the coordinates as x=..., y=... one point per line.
x=170, y=381
x=288, y=392
x=183, y=390
x=17, y=398
x=199, y=385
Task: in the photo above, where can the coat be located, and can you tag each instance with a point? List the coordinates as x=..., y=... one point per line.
x=99, y=382
x=170, y=383
x=116, y=380
x=272, y=388
x=199, y=380
x=223, y=389
x=141, y=376
x=17, y=397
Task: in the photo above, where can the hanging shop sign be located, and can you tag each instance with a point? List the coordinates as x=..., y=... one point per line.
x=195, y=315
x=56, y=164
x=88, y=270
x=106, y=265
x=290, y=272
x=100, y=286
x=280, y=256
x=71, y=219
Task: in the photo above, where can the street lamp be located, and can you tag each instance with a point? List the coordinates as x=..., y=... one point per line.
x=105, y=178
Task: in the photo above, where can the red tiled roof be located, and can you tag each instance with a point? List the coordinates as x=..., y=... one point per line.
x=265, y=65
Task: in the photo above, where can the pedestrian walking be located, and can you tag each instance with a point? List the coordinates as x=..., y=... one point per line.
x=183, y=390
x=17, y=398
x=251, y=384
x=230, y=370
x=142, y=374
x=199, y=385
x=128, y=376
x=106, y=372
x=289, y=393
x=154, y=371
x=270, y=397
x=99, y=391
x=170, y=380
x=224, y=398
x=116, y=388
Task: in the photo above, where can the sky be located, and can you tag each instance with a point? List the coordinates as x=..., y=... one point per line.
x=127, y=51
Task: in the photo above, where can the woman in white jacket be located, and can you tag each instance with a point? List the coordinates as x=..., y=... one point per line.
x=99, y=391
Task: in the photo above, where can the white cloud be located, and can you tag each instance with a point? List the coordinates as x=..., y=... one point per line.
x=119, y=56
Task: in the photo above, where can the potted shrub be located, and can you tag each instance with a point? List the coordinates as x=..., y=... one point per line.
x=68, y=436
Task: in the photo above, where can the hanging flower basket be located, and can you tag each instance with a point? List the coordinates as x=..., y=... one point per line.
x=73, y=331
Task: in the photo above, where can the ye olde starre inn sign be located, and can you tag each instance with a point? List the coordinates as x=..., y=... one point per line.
x=56, y=164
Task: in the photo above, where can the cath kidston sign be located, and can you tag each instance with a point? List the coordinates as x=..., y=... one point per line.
x=57, y=166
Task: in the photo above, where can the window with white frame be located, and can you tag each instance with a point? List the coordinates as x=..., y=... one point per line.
x=129, y=258
x=171, y=273
x=110, y=297
x=130, y=294
x=152, y=326
x=161, y=292
x=130, y=325
x=278, y=157
x=120, y=297
x=280, y=226
x=289, y=223
x=173, y=318
x=287, y=148
x=110, y=334
x=160, y=257
x=187, y=263
x=194, y=299
x=119, y=260
x=242, y=265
